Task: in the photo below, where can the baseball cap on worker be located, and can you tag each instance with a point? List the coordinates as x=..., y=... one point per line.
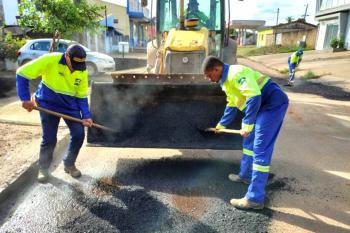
x=300, y=52
x=77, y=57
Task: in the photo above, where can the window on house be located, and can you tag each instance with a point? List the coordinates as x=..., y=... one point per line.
x=331, y=32
x=326, y=4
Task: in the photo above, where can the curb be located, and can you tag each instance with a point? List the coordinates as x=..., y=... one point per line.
x=8, y=84
x=23, y=177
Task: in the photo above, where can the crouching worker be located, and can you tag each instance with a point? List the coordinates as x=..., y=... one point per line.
x=293, y=61
x=64, y=89
x=264, y=105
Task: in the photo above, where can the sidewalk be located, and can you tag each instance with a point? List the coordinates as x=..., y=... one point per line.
x=20, y=138
x=333, y=68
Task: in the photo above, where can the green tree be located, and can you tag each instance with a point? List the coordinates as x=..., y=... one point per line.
x=233, y=32
x=289, y=19
x=9, y=46
x=59, y=17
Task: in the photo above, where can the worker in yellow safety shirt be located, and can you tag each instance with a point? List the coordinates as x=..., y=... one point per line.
x=64, y=89
x=264, y=104
x=293, y=61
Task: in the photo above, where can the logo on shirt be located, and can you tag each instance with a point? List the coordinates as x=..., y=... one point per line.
x=60, y=73
x=241, y=80
x=77, y=82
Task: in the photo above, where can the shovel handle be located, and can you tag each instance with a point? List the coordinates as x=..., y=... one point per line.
x=64, y=116
x=230, y=131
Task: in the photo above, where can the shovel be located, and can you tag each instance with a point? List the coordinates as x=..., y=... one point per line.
x=213, y=130
x=40, y=109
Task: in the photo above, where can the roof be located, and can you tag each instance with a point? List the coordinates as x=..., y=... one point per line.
x=264, y=28
x=247, y=24
x=297, y=24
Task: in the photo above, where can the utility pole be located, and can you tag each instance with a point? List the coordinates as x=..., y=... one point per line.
x=275, y=30
x=307, y=4
x=106, y=35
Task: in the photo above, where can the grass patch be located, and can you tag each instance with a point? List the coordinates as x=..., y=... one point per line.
x=310, y=75
x=247, y=51
x=284, y=71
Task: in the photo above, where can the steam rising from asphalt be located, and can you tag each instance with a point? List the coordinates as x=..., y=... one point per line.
x=165, y=115
x=119, y=107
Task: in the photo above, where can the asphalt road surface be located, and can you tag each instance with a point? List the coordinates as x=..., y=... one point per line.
x=168, y=190
x=187, y=193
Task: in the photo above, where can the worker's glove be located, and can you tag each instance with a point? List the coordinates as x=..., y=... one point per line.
x=218, y=127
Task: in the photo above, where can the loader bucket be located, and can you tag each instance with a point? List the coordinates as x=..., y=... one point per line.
x=151, y=111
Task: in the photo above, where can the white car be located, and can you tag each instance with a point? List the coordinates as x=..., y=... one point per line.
x=95, y=62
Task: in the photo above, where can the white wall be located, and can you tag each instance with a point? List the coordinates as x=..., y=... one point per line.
x=10, y=11
x=347, y=34
x=328, y=4
x=321, y=35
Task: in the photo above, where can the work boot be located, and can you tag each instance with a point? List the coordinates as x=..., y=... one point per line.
x=238, y=179
x=73, y=171
x=245, y=204
x=43, y=175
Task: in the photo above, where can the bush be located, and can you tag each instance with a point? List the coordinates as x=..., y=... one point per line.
x=341, y=43
x=247, y=51
x=310, y=75
x=284, y=71
x=9, y=46
x=334, y=43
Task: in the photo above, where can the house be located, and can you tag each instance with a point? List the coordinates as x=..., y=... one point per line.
x=247, y=37
x=295, y=33
x=8, y=19
x=140, y=24
x=8, y=12
x=116, y=22
x=334, y=22
x=265, y=37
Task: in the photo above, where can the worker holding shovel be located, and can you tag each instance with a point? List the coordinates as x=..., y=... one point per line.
x=293, y=61
x=265, y=105
x=63, y=89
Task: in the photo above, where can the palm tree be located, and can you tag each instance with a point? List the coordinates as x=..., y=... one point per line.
x=289, y=19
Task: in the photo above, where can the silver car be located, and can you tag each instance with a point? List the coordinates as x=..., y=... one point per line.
x=95, y=62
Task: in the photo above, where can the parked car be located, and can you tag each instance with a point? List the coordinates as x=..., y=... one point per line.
x=95, y=62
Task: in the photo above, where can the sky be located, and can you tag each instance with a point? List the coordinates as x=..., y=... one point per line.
x=267, y=10
x=263, y=9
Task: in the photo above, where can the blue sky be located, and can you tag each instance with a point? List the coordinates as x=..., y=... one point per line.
x=263, y=9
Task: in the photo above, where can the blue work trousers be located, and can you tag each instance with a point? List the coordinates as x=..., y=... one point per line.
x=291, y=67
x=49, y=125
x=258, y=149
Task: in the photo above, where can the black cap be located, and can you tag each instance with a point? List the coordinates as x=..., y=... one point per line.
x=77, y=56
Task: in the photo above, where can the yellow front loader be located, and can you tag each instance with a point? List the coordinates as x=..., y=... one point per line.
x=171, y=104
